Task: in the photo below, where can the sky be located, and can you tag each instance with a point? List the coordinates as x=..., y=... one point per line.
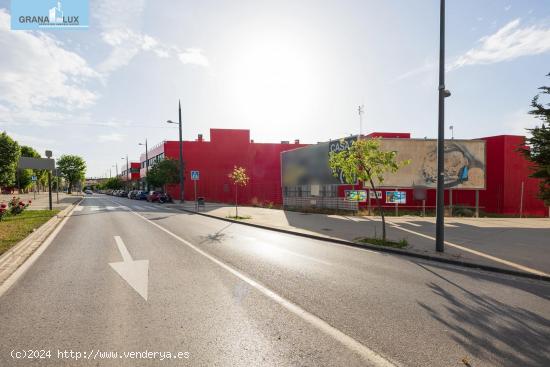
x=284, y=69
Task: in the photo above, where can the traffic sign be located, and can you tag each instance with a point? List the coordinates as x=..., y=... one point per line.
x=195, y=175
x=33, y=178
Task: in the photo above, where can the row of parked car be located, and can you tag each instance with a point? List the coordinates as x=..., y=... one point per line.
x=151, y=196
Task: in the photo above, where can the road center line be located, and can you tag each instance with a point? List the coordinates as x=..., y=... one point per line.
x=354, y=345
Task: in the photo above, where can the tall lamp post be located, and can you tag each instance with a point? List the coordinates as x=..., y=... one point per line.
x=146, y=164
x=127, y=170
x=443, y=93
x=181, y=150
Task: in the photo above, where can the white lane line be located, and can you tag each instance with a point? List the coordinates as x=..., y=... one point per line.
x=411, y=224
x=364, y=351
x=137, y=207
x=110, y=207
x=481, y=254
x=450, y=225
x=31, y=260
x=95, y=208
x=78, y=208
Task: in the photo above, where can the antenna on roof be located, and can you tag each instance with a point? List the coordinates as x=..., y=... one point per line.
x=361, y=111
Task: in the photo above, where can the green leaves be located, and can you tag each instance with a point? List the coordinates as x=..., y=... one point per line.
x=9, y=157
x=239, y=176
x=72, y=168
x=364, y=161
x=164, y=172
x=538, y=151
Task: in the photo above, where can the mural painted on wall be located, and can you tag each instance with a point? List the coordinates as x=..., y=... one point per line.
x=464, y=163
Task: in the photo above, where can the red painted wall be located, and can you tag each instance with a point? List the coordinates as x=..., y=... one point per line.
x=216, y=158
x=505, y=170
x=134, y=176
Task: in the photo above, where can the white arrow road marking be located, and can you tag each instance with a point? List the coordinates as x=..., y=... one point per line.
x=134, y=272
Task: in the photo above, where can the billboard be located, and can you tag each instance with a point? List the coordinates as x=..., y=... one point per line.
x=356, y=195
x=396, y=197
x=464, y=163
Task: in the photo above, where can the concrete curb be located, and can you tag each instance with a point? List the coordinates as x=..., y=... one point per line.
x=383, y=249
x=12, y=259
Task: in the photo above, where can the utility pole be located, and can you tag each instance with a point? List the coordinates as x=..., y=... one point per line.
x=443, y=93
x=181, y=154
x=146, y=164
x=181, y=151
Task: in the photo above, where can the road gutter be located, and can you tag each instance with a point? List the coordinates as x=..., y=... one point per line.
x=537, y=276
x=17, y=260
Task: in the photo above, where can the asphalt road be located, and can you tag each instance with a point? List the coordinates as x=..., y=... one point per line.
x=125, y=276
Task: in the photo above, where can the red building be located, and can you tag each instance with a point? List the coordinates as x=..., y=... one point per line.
x=216, y=158
x=509, y=189
x=132, y=175
x=507, y=171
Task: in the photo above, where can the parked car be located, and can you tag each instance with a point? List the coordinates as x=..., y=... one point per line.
x=88, y=192
x=141, y=195
x=132, y=194
x=123, y=194
x=158, y=196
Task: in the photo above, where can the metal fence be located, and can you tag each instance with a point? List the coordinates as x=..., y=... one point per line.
x=319, y=202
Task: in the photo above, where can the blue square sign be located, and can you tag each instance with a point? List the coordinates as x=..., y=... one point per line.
x=195, y=175
x=49, y=14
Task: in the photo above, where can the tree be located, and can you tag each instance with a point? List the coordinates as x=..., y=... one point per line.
x=9, y=157
x=164, y=172
x=113, y=183
x=72, y=168
x=239, y=178
x=538, y=149
x=365, y=162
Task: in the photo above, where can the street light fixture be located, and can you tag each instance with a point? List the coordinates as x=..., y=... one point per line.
x=452, y=128
x=181, y=150
x=146, y=164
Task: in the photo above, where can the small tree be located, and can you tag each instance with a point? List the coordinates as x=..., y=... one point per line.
x=9, y=157
x=239, y=178
x=72, y=168
x=164, y=172
x=365, y=162
x=538, y=151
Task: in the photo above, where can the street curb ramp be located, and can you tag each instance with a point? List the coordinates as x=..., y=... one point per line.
x=390, y=250
x=12, y=259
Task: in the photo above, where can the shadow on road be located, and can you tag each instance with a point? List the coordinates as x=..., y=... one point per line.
x=216, y=237
x=490, y=329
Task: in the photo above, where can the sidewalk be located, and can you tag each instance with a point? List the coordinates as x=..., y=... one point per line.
x=475, y=240
x=42, y=202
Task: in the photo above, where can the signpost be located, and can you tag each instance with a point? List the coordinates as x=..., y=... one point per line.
x=195, y=175
x=40, y=163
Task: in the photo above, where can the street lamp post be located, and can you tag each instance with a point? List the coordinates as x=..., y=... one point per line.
x=146, y=164
x=181, y=151
x=443, y=93
x=127, y=170
x=452, y=128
